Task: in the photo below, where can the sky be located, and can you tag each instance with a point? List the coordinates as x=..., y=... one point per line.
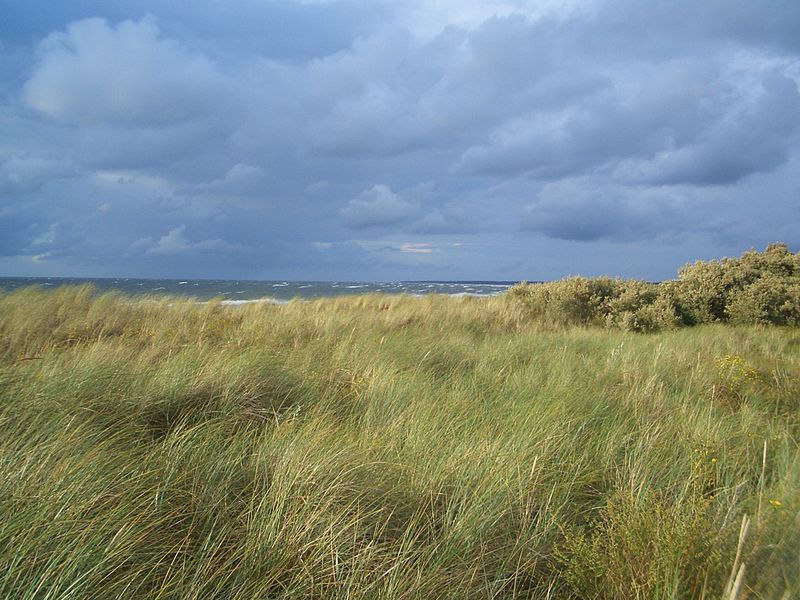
x=384, y=140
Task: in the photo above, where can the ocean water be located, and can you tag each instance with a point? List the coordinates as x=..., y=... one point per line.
x=239, y=291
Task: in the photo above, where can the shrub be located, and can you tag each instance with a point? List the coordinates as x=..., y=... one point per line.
x=658, y=315
x=571, y=301
x=768, y=300
x=641, y=308
x=701, y=293
x=757, y=288
x=705, y=291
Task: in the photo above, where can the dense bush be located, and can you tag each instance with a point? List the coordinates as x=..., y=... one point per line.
x=769, y=299
x=630, y=305
x=575, y=300
x=756, y=288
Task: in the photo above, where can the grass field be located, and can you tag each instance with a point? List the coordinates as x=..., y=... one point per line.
x=389, y=447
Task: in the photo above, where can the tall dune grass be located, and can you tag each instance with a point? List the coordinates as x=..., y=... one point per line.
x=389, y=447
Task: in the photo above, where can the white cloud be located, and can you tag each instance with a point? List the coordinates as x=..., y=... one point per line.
x=429, y=17
x=127, y=74
x=318, y=186
x=417, y=248
x=377, y=207
x=175, y=243
x=239, y=180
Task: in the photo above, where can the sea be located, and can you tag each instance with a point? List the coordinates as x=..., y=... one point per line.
x=243, y=291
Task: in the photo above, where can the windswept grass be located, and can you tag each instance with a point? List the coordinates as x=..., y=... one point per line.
x=389, y=447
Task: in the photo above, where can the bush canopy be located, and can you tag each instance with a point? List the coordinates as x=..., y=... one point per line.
x=757, y=288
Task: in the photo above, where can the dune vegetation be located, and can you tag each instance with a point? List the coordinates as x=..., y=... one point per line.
x=757, y=288
x=396, y=447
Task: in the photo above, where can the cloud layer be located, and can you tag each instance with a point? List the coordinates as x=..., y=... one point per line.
x=396, y=140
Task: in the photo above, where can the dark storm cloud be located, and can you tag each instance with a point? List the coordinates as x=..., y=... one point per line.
x=23, y=173
x=17, y=232
x=755, y=138
x=671, y=132
x=761, y=209
x=265, y=136
x=772, y=25
x=573, y=210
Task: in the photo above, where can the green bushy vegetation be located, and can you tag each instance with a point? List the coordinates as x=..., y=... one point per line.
x=757, y=288
x=395, y=447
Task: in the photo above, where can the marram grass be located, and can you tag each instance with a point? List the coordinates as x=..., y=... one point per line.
x=389, y=447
